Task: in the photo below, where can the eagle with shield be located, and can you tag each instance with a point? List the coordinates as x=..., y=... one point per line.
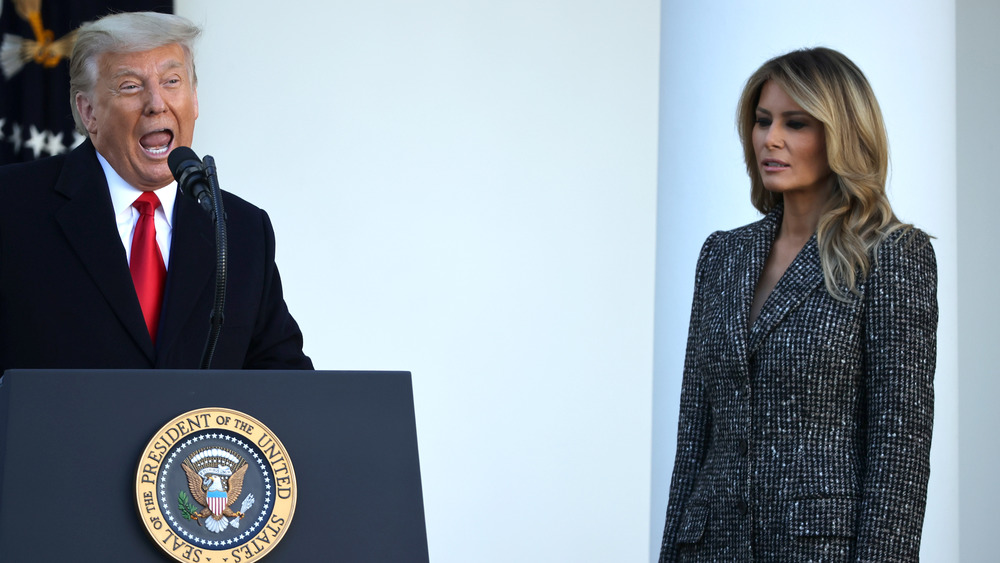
x=215, y=478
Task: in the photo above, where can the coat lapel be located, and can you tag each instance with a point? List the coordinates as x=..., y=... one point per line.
x=191, y=271
x=88, y=221
x=748, y=263
x=803, y=276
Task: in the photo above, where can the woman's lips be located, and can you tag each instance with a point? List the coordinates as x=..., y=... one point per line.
x=774, y=165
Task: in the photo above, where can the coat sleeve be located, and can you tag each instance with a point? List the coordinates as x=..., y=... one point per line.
x=694, y=420
x=277, y=341
x=901, y=316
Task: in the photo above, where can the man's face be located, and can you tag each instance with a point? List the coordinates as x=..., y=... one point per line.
x=143, y=106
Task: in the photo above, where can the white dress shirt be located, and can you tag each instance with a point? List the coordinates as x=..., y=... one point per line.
x=124, y=194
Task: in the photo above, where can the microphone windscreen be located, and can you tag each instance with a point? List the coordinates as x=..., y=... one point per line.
x=178, y=158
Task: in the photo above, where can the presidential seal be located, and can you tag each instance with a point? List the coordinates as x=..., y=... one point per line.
x=215, y=484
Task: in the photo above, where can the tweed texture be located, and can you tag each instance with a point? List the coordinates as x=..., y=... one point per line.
x=807, y=436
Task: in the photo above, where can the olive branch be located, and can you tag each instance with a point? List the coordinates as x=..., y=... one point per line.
x=185, y=506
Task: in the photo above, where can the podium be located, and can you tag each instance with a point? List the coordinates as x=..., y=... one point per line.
x=71, y=442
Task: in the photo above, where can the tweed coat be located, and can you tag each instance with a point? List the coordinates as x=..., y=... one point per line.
x=805, y=437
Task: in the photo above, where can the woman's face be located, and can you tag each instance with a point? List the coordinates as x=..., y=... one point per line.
x=790, y=144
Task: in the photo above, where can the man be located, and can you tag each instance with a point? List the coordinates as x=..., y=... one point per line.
x=94, y=276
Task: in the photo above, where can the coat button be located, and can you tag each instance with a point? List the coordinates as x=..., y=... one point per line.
x=742, y=508
x=744, y=447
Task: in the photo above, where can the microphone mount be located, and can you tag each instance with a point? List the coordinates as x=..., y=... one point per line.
x=200, y=181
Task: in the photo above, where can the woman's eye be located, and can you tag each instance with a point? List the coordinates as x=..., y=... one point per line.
x=763, y=122
x=796, y=125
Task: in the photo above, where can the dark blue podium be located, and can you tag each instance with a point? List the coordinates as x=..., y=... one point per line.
x=70, y=443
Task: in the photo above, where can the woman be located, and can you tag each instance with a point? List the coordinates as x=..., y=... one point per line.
x=806, y=406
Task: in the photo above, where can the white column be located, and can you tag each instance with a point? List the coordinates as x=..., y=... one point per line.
x=708, y=49
x=978, y=79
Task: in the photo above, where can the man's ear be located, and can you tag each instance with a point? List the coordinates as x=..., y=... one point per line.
x=86, y=111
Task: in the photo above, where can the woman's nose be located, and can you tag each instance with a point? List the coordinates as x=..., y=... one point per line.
x=774, y=138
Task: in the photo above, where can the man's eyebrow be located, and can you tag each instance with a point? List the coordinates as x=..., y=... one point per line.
x=126, y=71
x=172, y=64
x=131, y=71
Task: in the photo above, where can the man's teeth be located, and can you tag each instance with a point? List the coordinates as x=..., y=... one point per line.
x=157, y=150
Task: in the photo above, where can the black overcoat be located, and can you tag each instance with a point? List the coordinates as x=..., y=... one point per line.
x=66, y=294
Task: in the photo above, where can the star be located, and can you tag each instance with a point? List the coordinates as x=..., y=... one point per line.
x=55, y=145
x=16, y=139
x=37, y=141
x=78, y=139
x=2, y=123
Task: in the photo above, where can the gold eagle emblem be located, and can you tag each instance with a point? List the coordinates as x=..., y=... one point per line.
x=215, y=479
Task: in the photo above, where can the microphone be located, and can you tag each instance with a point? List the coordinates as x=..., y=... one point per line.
x=189, y=171
x=199, y=180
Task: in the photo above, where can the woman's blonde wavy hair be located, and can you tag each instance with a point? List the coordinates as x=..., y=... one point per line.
x=858, y=216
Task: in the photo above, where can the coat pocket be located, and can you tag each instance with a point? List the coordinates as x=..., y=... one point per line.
x=824, y=517
x=693, y=522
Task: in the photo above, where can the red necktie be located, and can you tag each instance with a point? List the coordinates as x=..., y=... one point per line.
x=148, y=272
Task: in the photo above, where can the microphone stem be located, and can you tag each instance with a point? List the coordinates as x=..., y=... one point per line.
x=222, y=259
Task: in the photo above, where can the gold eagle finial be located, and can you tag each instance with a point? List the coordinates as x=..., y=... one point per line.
x=44, y=49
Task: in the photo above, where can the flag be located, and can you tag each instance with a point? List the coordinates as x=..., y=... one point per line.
x=36, y=39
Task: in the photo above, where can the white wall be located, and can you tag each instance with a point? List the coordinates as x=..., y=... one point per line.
x=709, y=48
x=466, y=190
x=484, y=177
